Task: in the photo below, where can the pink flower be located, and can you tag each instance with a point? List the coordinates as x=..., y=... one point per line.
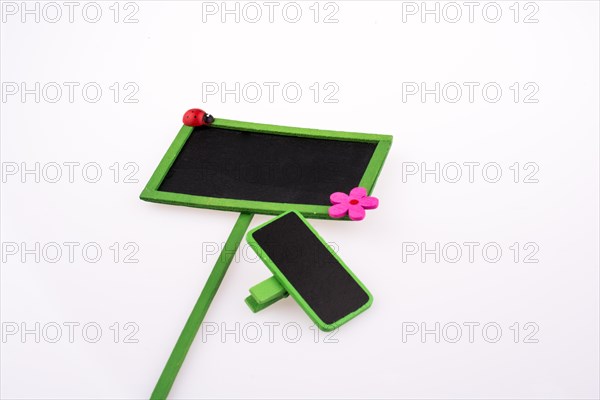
x=353, y=204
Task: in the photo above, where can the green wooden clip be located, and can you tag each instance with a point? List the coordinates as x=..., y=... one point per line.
x=265, y=293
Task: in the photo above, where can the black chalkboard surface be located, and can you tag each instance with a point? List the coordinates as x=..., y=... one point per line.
x=225, y=163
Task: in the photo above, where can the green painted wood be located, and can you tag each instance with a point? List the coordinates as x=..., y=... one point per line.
x=256, y=307
x=151, y=192
x=186, y=338
x=265, y=293
x=253, y=305
x=268, y=290
x=301, y=132
x=169, y=158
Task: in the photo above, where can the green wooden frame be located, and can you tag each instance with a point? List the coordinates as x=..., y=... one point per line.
x=290, y=288
x=151, y=192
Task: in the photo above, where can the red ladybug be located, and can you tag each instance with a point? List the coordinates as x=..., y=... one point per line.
x=197, y=117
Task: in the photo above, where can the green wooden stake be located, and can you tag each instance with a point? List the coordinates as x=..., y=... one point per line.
x=167, y=378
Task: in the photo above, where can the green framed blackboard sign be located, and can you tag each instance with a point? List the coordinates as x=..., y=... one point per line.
x=255, y=168
x=265, y=169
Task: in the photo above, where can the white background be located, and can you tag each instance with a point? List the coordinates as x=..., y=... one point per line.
x=170, y=55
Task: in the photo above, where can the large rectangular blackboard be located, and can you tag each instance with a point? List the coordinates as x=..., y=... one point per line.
x=266, y=169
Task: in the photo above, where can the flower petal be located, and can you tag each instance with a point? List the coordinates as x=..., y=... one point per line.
x=356, y=212
x=338, y=210
x=369, y=202
x=338, y=197
x=358, y=193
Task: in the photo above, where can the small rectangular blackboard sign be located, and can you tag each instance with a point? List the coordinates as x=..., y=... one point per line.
x=311, y=272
